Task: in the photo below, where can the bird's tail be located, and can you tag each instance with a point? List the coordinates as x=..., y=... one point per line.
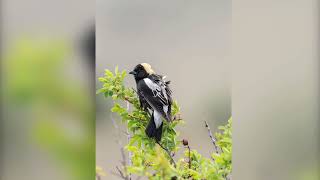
x=152, y=131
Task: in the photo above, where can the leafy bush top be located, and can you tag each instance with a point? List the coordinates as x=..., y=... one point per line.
x=156, y=161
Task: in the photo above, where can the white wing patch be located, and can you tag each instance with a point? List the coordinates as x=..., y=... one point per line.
x=157, y=119
x=153, y=86
x=157, y=91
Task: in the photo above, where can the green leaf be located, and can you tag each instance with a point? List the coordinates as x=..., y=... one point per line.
x=99, y=91
x=116, y=70
x=108, y=73
x=123, y=74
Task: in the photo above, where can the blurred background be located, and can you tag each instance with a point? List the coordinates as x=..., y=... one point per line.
x=47, y=94
x=188, y=41
x=275, y=89
x=48, y=82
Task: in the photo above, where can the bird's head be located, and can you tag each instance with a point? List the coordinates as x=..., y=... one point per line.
x=141, y=71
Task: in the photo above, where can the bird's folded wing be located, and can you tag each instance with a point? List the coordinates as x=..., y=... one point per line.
x=156, y=96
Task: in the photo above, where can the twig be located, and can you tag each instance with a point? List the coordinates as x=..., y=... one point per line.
x=116, y=174
x=211, y=137
x=128, y=139
x=177, y=117
x=168, y=152
x=134, y=90
x=128, y=100
x=186, y=144
x=123, y=162
x=132, y=116
x=189, y=157
x=121, y=173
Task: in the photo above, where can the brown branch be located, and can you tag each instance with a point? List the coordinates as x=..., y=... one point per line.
x=189, y=157
x=169, y=154
x=132, y=116
x=211, y=137
x=186, y=145
x=128, y=100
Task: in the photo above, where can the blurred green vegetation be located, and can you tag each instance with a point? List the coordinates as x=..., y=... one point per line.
x=38, y=89
x=155, y=161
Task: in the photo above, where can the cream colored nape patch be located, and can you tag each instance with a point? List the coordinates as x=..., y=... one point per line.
x=148, y=68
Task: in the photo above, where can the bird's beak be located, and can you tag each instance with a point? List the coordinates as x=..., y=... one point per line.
x=132, y=72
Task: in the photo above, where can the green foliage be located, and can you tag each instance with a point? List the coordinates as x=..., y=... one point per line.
x=40, y=97
x=147, y=157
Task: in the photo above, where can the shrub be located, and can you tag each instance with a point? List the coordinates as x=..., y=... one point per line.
x=154, y=160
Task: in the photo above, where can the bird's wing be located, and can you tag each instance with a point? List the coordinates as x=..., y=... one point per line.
x=154, y=92
x=143, y=103
x=165, y=85
x=169, y=94
x=168, y=91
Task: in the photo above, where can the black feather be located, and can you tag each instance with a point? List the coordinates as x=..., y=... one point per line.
x=152, y=131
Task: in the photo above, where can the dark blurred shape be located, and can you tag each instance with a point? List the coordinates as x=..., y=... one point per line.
x=89, y=46
x=47, y=98
x=185, y=142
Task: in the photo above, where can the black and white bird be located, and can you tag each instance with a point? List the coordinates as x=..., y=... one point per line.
x=155, y=97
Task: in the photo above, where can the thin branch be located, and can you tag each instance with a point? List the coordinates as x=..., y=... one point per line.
x=116, y=174
x=186, y=145
x=211, y=137
x=121, y=173
x=128, y=100
x=123, y=162
x=189, y=157
x=128, y=139
x=168, y=152
x=177, y=117
x=132, y=116
x=134, y=90
x=125, y=133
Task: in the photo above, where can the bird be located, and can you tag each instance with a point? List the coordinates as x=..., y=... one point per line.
x=155, y=98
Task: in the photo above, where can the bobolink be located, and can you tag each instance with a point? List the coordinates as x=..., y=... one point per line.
x=155, y=98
